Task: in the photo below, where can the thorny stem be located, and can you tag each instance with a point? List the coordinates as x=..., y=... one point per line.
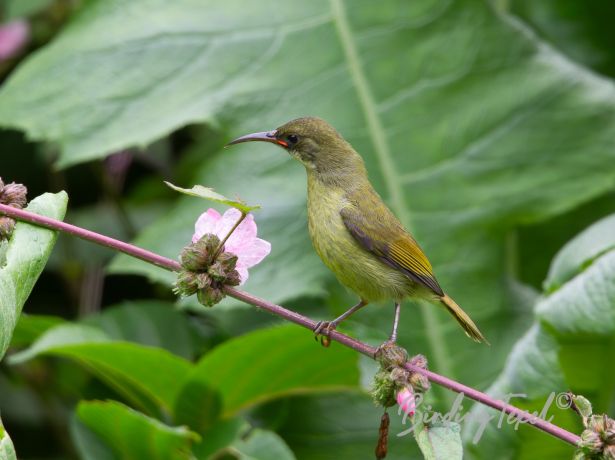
x=289, y=315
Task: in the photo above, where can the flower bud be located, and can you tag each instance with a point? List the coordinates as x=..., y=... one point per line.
x=198, y=256
x=383, y=389
x=203, y=281
x=406, y=401
x=390, y=355
x=14, y=195
x=7, y=225
x=186, y=283
x=228, y=261
x=419, y=382
x=590, y=441
x=210, y=296
x=217, y=272
x=232, y=278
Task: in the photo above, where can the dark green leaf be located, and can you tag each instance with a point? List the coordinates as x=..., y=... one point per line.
x=132, y=435
x=499, y=132
x=149, y=377
x=152, y=323
x=343, y=426
x=25, y=258
x=266, y=364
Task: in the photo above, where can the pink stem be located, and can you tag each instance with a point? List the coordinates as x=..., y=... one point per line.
x=292, y=316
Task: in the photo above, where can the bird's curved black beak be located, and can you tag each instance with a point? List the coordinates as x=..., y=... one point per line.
x=265, y=136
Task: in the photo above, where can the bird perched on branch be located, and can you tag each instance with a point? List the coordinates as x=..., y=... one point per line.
x=353, y=231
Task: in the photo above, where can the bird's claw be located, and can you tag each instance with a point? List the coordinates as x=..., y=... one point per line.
x=322, y=331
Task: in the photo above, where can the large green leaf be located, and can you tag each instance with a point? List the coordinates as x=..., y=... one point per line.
x=258, y=367
x=566, y=349
x=152, y=323
x=132, y=435
x=24, y=260
x=148, y=377
x=499, y=130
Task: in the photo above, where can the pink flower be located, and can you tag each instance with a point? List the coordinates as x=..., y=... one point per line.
x=406, y=401
x=243, y=242
x=13, y=37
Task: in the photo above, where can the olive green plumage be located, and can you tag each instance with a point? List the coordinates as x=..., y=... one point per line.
x=353, y=231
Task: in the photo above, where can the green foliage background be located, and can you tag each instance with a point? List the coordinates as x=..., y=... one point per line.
x=487, y=127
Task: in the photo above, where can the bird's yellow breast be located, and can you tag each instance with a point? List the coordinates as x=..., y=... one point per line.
x=354, y=267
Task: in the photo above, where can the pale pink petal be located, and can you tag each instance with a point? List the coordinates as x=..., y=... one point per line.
x=229, y=219
x=243, y=235
x=253, y=254
x=13, y=37
x=206, y=223
x=405, y=399
x=243, y=274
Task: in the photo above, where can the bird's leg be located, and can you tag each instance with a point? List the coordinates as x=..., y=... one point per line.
x=323, y=328
x=393, y=336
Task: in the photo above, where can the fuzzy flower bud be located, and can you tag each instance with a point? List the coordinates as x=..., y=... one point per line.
x=198, y=256
x=12, y=195
x=7, y=225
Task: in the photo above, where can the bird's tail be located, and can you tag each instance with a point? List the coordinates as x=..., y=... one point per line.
x=463, y=319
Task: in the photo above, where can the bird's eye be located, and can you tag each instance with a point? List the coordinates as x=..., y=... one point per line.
x=292, y=139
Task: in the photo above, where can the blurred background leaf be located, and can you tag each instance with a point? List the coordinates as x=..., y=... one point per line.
x=488, y=128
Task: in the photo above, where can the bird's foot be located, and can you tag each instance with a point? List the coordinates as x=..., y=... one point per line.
x=322, y=331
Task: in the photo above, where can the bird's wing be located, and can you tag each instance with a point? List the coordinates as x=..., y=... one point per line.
x=394, y=246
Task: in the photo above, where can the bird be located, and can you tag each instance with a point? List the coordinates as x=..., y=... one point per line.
x=353, y=231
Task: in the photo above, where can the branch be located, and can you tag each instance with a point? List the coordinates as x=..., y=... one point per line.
x=289, y=315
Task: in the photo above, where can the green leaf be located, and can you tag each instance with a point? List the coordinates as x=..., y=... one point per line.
x=457, y=147
x=208, y=194
x=582, y=30
x=152, y=323
x=439, y=441
x=31, y=327
x=26, y=255
x=257, y=367
x=565, y=350
x=581, y=251
x=148, y=377
x=341, y=426
x=7, y=450
x=262, y=445
x=132, y=435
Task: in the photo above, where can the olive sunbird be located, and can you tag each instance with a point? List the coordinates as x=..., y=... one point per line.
x=353, y=231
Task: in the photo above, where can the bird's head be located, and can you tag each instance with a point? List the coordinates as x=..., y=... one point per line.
x=313, y=142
